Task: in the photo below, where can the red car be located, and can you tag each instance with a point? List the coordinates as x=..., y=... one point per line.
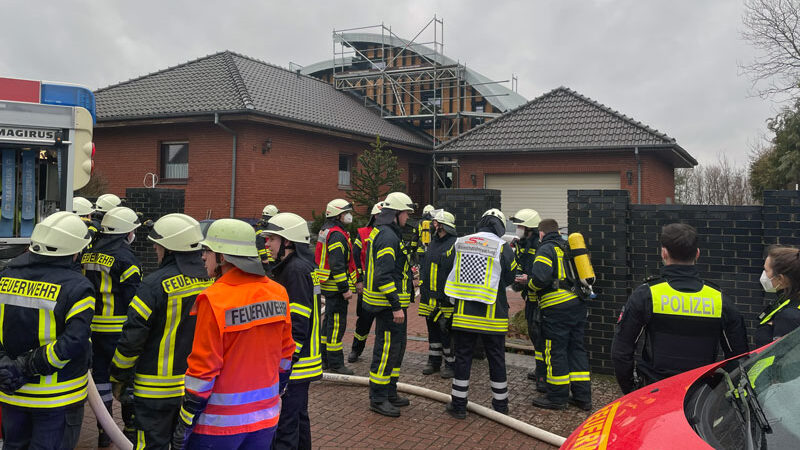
x=751, y=403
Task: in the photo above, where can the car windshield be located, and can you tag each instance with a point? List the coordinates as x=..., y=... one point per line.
x=775, y=377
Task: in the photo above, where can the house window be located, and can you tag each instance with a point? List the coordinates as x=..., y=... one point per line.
x=345, y=167
x=175, y=160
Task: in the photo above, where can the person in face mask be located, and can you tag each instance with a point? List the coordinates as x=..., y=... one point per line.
x=681, y=317
x=782, y=275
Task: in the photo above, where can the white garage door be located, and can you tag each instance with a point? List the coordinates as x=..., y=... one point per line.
x=546, y=193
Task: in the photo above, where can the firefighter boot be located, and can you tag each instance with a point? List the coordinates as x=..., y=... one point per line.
x=385, y=408
x=356, y=350
x=432, y=366
x=447, y=371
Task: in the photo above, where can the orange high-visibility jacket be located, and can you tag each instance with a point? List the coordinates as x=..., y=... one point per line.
x=242, y=341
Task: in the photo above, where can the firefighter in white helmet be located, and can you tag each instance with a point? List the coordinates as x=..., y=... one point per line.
x=104, y=204
x=263, y=251
x=364, y=319
x=337, y=273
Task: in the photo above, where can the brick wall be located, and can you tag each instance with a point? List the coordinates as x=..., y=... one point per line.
x=298, y=174
x=623, y=241
x=152, y=204
x=467, y=205
x=657, y=175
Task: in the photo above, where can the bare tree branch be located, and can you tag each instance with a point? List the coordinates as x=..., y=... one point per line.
x=773, y=28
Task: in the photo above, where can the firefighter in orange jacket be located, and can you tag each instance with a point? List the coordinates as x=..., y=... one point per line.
x=242, y=352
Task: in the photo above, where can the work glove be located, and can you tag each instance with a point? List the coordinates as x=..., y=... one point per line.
x=191, y=407
x=181, y=435
x=10, y=377
x=120, y=390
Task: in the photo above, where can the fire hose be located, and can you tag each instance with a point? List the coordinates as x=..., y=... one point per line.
x=105, y=419
x=514, y=424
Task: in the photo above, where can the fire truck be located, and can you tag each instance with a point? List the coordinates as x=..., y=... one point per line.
x=46, y=153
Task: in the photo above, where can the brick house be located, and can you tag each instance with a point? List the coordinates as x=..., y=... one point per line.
x=562, y=140
x=294, y=139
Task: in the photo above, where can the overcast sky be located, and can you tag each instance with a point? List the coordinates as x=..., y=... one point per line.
x=670, y=64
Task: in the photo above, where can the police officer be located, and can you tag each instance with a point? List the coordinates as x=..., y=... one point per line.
x=242, y=350
x=527, y=222
x=337, y=275
x=434, y=305
x=44, y=357
x=114, y=271
x=480, y=266
x=563, y=322
x=781, y=275
x=263, y=252
x=288, y=238
x=388, y=287
x=364, y=320
x=157, y=335
x=104, y=204
x=682, y=318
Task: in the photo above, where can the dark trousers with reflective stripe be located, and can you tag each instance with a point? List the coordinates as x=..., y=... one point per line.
x=363, y=325
x=533, y=319
x=335, y=323
x=155, y=420
x=566, y=360
x=103, y=347
x=255, y=440
x=41, y=428
x=387, y=356
x=495, y=346
x=439, y=341
x=294, y=428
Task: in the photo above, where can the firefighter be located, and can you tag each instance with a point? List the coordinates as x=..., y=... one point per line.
x=434, y=305
x=425, y=230
x=114, y=271
x=527, y=221
x=388, y=288
x=157, y=334
x=563, y=322
x=337, y=275
x=46, y=316
x=682, y=318
x=242, y=350
x=104, y=204
x=263, y=251
x=288, y=238
x=364, y=320
x=85, y=209
x=480, y=266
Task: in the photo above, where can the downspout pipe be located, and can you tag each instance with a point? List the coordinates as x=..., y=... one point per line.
x=233, y=162
x=638, y=176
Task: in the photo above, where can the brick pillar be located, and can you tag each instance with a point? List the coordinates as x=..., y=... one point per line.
x=152, y=204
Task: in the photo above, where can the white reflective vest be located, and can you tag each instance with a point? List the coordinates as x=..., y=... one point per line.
x=476, y=270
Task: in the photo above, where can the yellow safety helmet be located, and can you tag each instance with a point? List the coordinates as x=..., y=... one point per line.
x=231, y=237
x=107, y=202
x=399, y=201
x=527, y=218
x=445, y=218
x=60, y=234
x=81, y=206
x=289, y=226
x=270, y=210
x=177, y=232
x=119, y=220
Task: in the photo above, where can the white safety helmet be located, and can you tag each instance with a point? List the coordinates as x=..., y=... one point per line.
x=289, y=226
x=270, y=210
x=60, y=234
x=231, y=237
x=337, y=206
x=445, y=218
x=427, y=209
x=177, y=232
x=527, y=218
x=81, y=206
x=496, y=213
x=376, y=208
x=107, y=202
x=119, y=220
x=399, y=201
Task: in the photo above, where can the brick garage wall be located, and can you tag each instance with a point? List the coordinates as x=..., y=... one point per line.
x=298, y=174
x=152, y=204
x=468, y=205
x=657, y=175
x=623, y=241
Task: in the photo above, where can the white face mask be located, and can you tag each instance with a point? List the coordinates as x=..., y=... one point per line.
x=347, y=219
x=766, y=282
x=131, y=238
x=520, y=232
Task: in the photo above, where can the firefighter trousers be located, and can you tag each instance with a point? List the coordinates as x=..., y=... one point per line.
x=335, y=324
x=439, y=342
x=363, y=325
x=495, y=346
x=294, y=427
x=566, y=360
x=533, y=319
x=155, y=420
x=387, y=356
x=103, y=347
x=41, y=428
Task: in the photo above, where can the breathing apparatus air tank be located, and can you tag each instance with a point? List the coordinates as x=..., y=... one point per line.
x=580, y=257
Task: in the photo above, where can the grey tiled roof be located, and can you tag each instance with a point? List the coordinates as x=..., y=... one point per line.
x=561, y=119
x=229, y=82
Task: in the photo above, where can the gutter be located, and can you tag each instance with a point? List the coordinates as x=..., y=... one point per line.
x=638, y=176
x=233, y=162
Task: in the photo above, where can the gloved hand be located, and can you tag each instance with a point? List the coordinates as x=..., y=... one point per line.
x=192, y=407
x=34, y=363
x=10, y=377
x=119, y=390
x=181, y=435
